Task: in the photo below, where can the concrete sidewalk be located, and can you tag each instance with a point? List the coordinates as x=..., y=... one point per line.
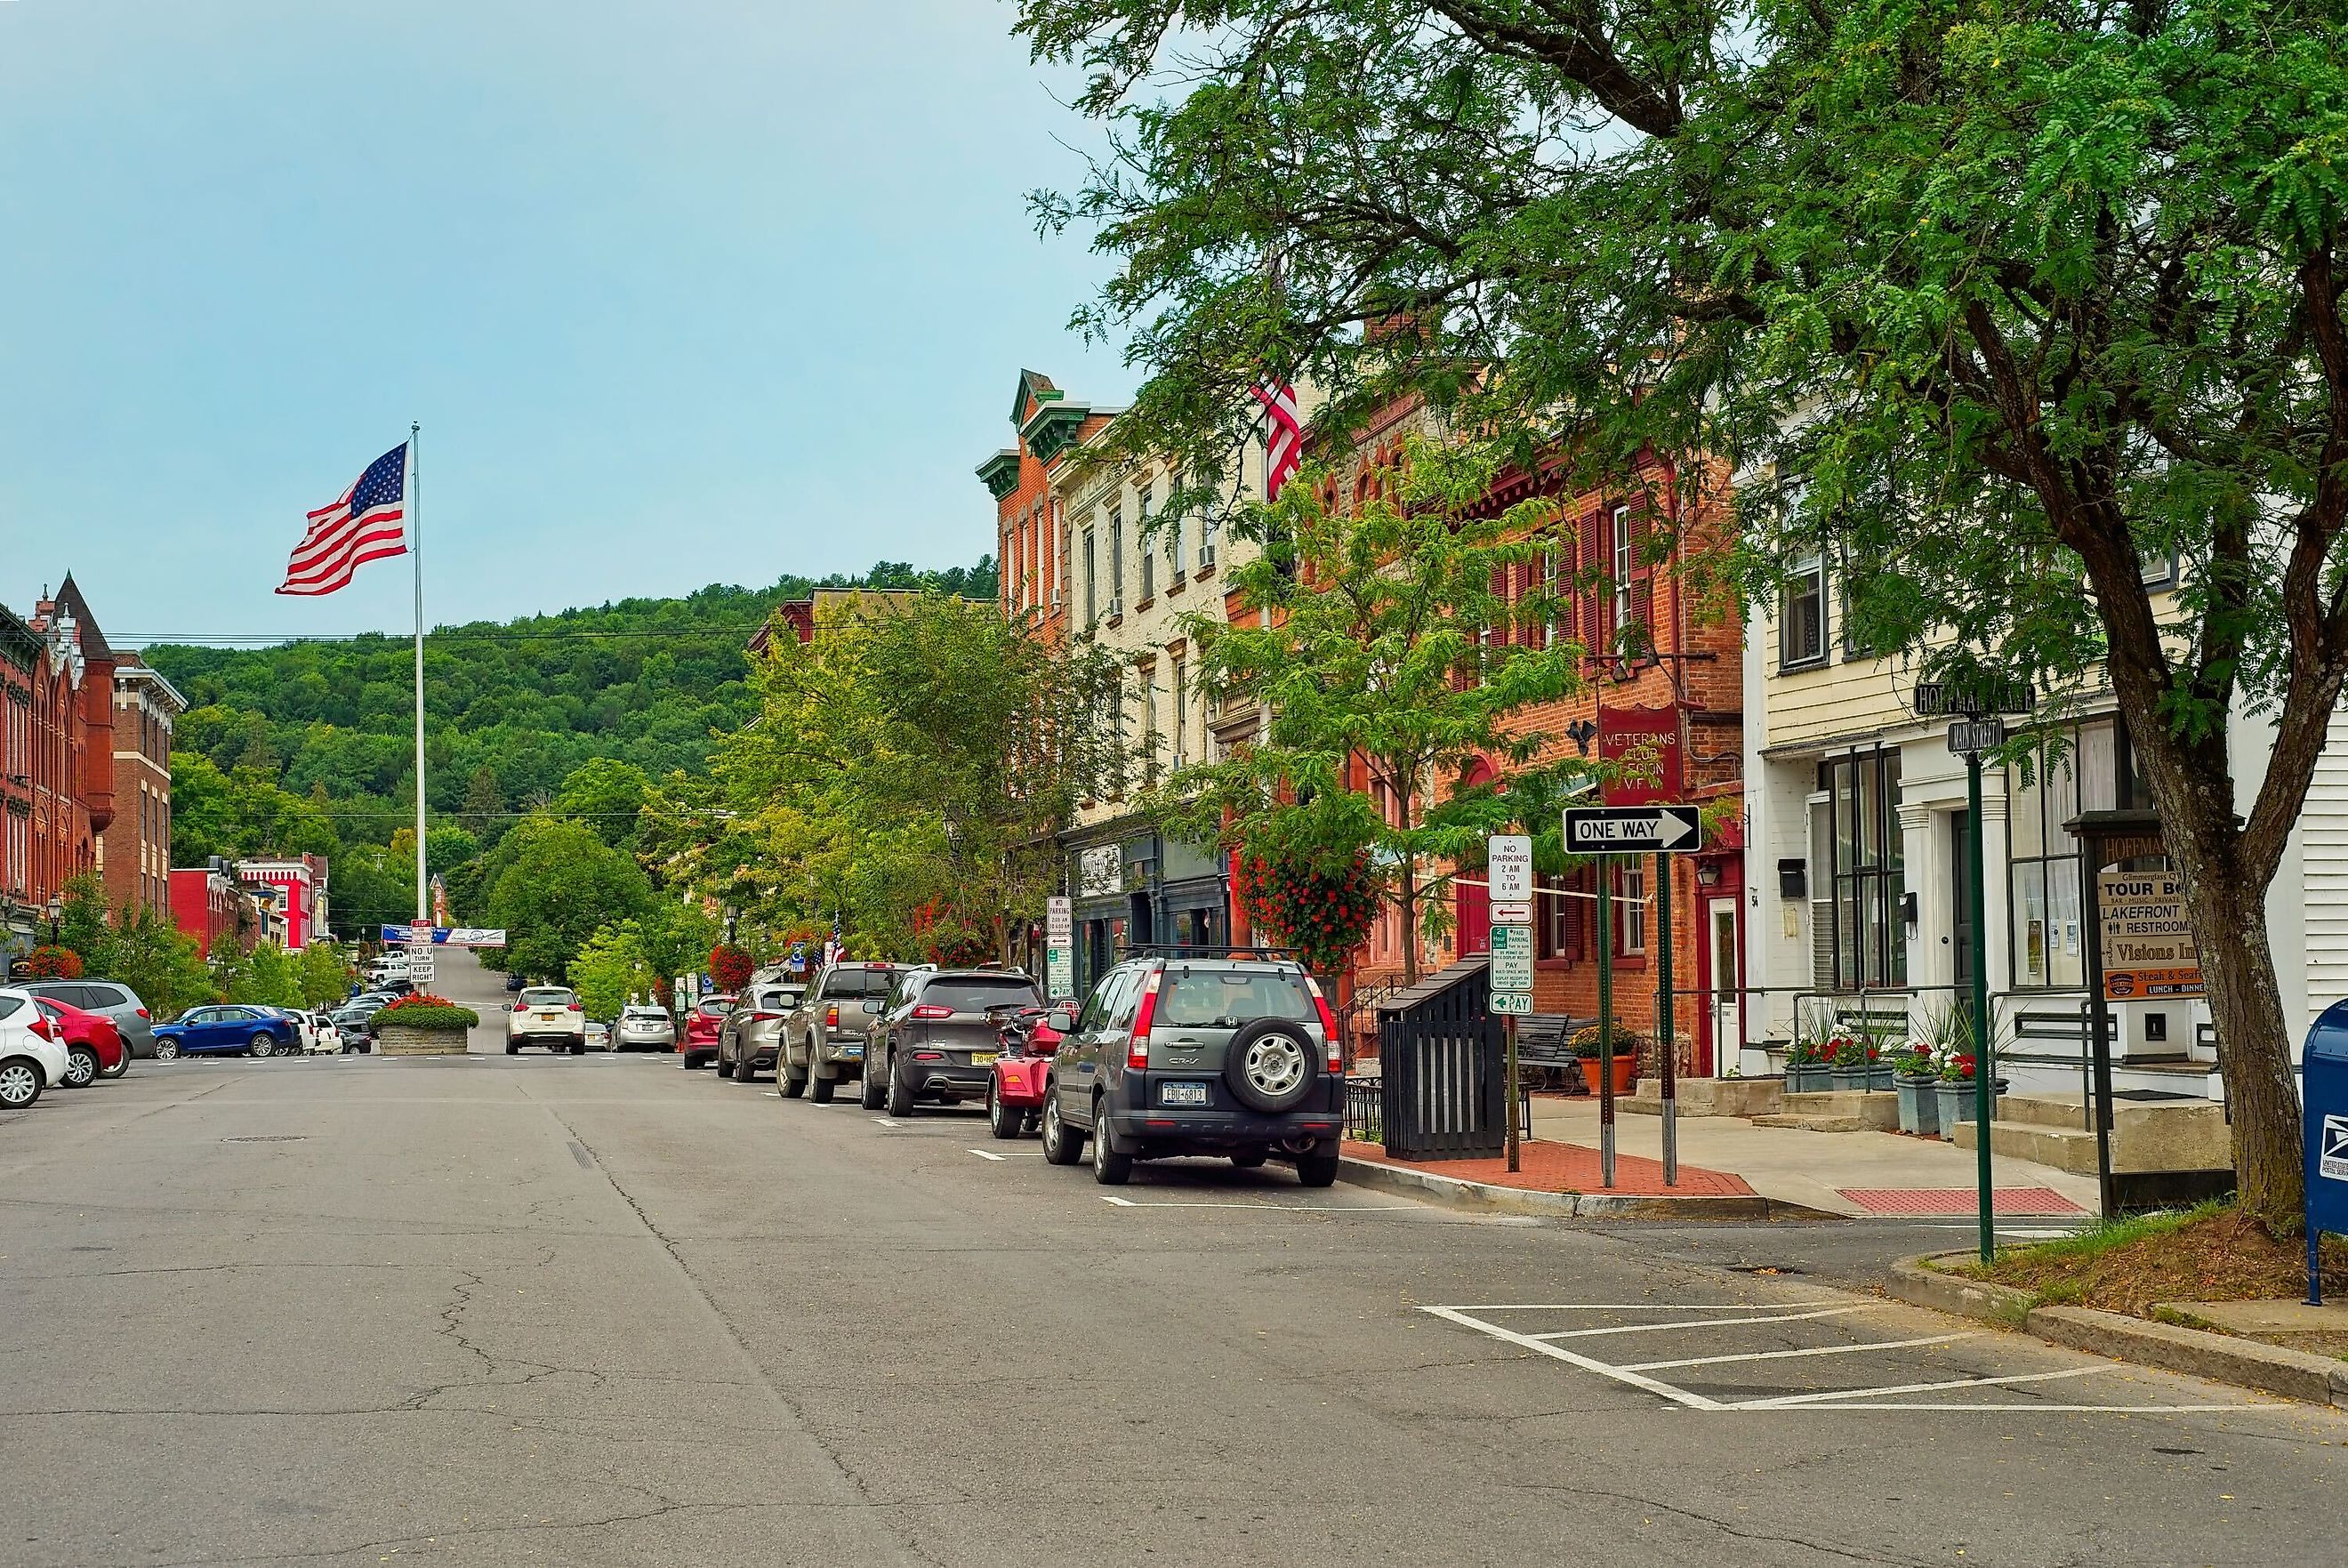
x=1809, y=1169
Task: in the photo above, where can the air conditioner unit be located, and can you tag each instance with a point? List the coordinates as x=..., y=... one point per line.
x=1115, y=607
x=1207, y=553
x=1056, y=598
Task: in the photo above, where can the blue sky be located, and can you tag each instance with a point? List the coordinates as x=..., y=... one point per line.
x=682, y=291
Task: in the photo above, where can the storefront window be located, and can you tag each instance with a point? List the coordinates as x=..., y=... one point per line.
x=2087, y=768
x=1631, y=912
x=1865, y=865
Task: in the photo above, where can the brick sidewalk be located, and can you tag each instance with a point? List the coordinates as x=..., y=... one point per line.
x=1568, y=1168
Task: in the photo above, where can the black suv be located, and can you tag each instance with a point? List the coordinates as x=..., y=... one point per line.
x=1179, y=1054
x=938, y=1033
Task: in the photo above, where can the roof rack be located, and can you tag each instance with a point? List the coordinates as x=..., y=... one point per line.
x=1197, y=950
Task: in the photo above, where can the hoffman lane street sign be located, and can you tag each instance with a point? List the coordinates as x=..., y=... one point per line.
x=1632, y=830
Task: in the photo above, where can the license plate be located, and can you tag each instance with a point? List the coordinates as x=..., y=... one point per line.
x=550, y=1018
x=1182, y=1094
x=981, y=1058
x=851, y=1050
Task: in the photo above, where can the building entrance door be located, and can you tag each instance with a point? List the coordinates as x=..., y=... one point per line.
x=1728, y=1004
x=1961, y=914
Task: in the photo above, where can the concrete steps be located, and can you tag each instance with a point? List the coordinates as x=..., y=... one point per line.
x=2148, y=1135
x=1849, y=1110
x=1708, y=1097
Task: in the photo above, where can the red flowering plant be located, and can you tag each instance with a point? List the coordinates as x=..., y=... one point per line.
x=53, y=964
x=950, y=938
x=1320, y=909
x=1958, y=1068
x=730, y=967
x=423, y=1010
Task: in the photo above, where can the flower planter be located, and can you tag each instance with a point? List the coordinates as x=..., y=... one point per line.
x=403, y=1040
x=1956, y=1102
x=1626, y=1072
x=1808, y=1077
x=1920, y=1104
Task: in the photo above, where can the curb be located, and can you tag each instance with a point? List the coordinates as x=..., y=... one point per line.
x=1482, y=1197
x=2244, y=1363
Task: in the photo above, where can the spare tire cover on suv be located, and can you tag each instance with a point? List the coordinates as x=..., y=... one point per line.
x=1271, y=1064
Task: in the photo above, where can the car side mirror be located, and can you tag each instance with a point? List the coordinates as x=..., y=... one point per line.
x=510, y=1006
x=873, y=1005
x=1061, y=1022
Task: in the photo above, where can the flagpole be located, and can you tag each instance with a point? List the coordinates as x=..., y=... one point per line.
x=415, y=549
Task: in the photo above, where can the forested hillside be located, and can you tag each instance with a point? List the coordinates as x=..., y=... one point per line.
x=309, y=746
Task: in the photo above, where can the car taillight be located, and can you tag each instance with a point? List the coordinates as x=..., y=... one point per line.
x=763, y=1017
x=142, y=1012
x=1328, y=1026
x=41, y=1027
x=577, y=1008
x=1136, y=1048
x=831, y=1018
x=927, y=1010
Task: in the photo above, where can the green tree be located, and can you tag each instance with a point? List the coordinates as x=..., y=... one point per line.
x=560, y=885
x=1365, y=623
x=147, y=952
x=87, y=922
x=611, y=971
x=322, y=973
x=2007, y=307
x=606, y=794
x=917, y=757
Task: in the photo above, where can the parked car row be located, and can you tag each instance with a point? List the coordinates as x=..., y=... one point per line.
x=1176, y=1053
x=47, y=1042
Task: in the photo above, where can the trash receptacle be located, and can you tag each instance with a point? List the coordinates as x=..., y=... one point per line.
x=2324, y=1068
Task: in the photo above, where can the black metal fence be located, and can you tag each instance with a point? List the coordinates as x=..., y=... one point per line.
x=1441, y=1069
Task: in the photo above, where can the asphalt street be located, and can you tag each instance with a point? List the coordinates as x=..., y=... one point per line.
x=600, y=1311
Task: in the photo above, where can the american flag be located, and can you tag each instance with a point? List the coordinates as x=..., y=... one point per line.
x=367, y=524
x=1284, y=442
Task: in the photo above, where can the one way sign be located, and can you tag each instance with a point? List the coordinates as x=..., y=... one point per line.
x=1632, y=830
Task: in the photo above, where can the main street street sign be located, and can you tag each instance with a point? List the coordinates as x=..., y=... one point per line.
x=1972, y=737
x=1632, y=830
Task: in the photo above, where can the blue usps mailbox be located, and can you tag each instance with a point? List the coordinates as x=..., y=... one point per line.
x=2323, y=1064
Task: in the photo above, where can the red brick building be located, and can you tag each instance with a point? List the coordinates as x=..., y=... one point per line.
x=1662, y=677
x=1031, y=536
x=135, y=851
x=56, y=756
x=212, y=904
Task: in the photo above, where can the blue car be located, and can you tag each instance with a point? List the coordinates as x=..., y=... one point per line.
x=227, y=1030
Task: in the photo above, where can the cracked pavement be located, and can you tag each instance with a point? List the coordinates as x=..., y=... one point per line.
x=603, y=1312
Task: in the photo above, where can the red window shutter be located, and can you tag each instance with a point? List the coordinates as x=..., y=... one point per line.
x=1643, y=607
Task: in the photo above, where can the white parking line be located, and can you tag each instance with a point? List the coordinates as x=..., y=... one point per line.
x=1638, y=1374
x=884, y=1121
x=1700, y=1323
x=1786, y=1354
x=998, y=1157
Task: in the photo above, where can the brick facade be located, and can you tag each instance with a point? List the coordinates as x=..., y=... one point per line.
x=135, y=850
x=1031, y=535
x=56, y=756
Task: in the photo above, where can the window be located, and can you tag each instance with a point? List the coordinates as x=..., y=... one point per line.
x=1181, y=692
x=2090, y=768
x=1631, y=908
x=1557, y=918
x=1858, y=843
x=1149, y=717
x=1624, y=559
x=1142, y=549
x=1173, y=548
x=1116, y=559
x=1802, y=617
x=1117, y=734
x=1092, y=601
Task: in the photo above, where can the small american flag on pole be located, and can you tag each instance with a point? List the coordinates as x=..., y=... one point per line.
x=367, y=524
x=1284, y=441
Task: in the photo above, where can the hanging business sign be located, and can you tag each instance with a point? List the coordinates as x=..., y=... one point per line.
x=445, y=935
x=2148, y=943
x=1100, y=872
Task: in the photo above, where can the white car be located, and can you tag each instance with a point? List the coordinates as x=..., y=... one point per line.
x=645, y=1028
x=30, y=1059
x=547, y=1015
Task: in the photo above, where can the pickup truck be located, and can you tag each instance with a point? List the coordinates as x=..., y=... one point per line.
x=825, y=1036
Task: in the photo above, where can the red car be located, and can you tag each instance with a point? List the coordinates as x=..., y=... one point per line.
x=93, y=1045
x=702, y=1025
x=1014, y=1098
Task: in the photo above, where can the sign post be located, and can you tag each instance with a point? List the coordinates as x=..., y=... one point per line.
x=1661, y=829
x=1509, y=873
x=1977, y=731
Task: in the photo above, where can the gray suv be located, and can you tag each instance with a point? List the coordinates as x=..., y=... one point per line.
x=111, y=997
x=1179, y=1054
x=938, y=1034
x=823, y=1039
